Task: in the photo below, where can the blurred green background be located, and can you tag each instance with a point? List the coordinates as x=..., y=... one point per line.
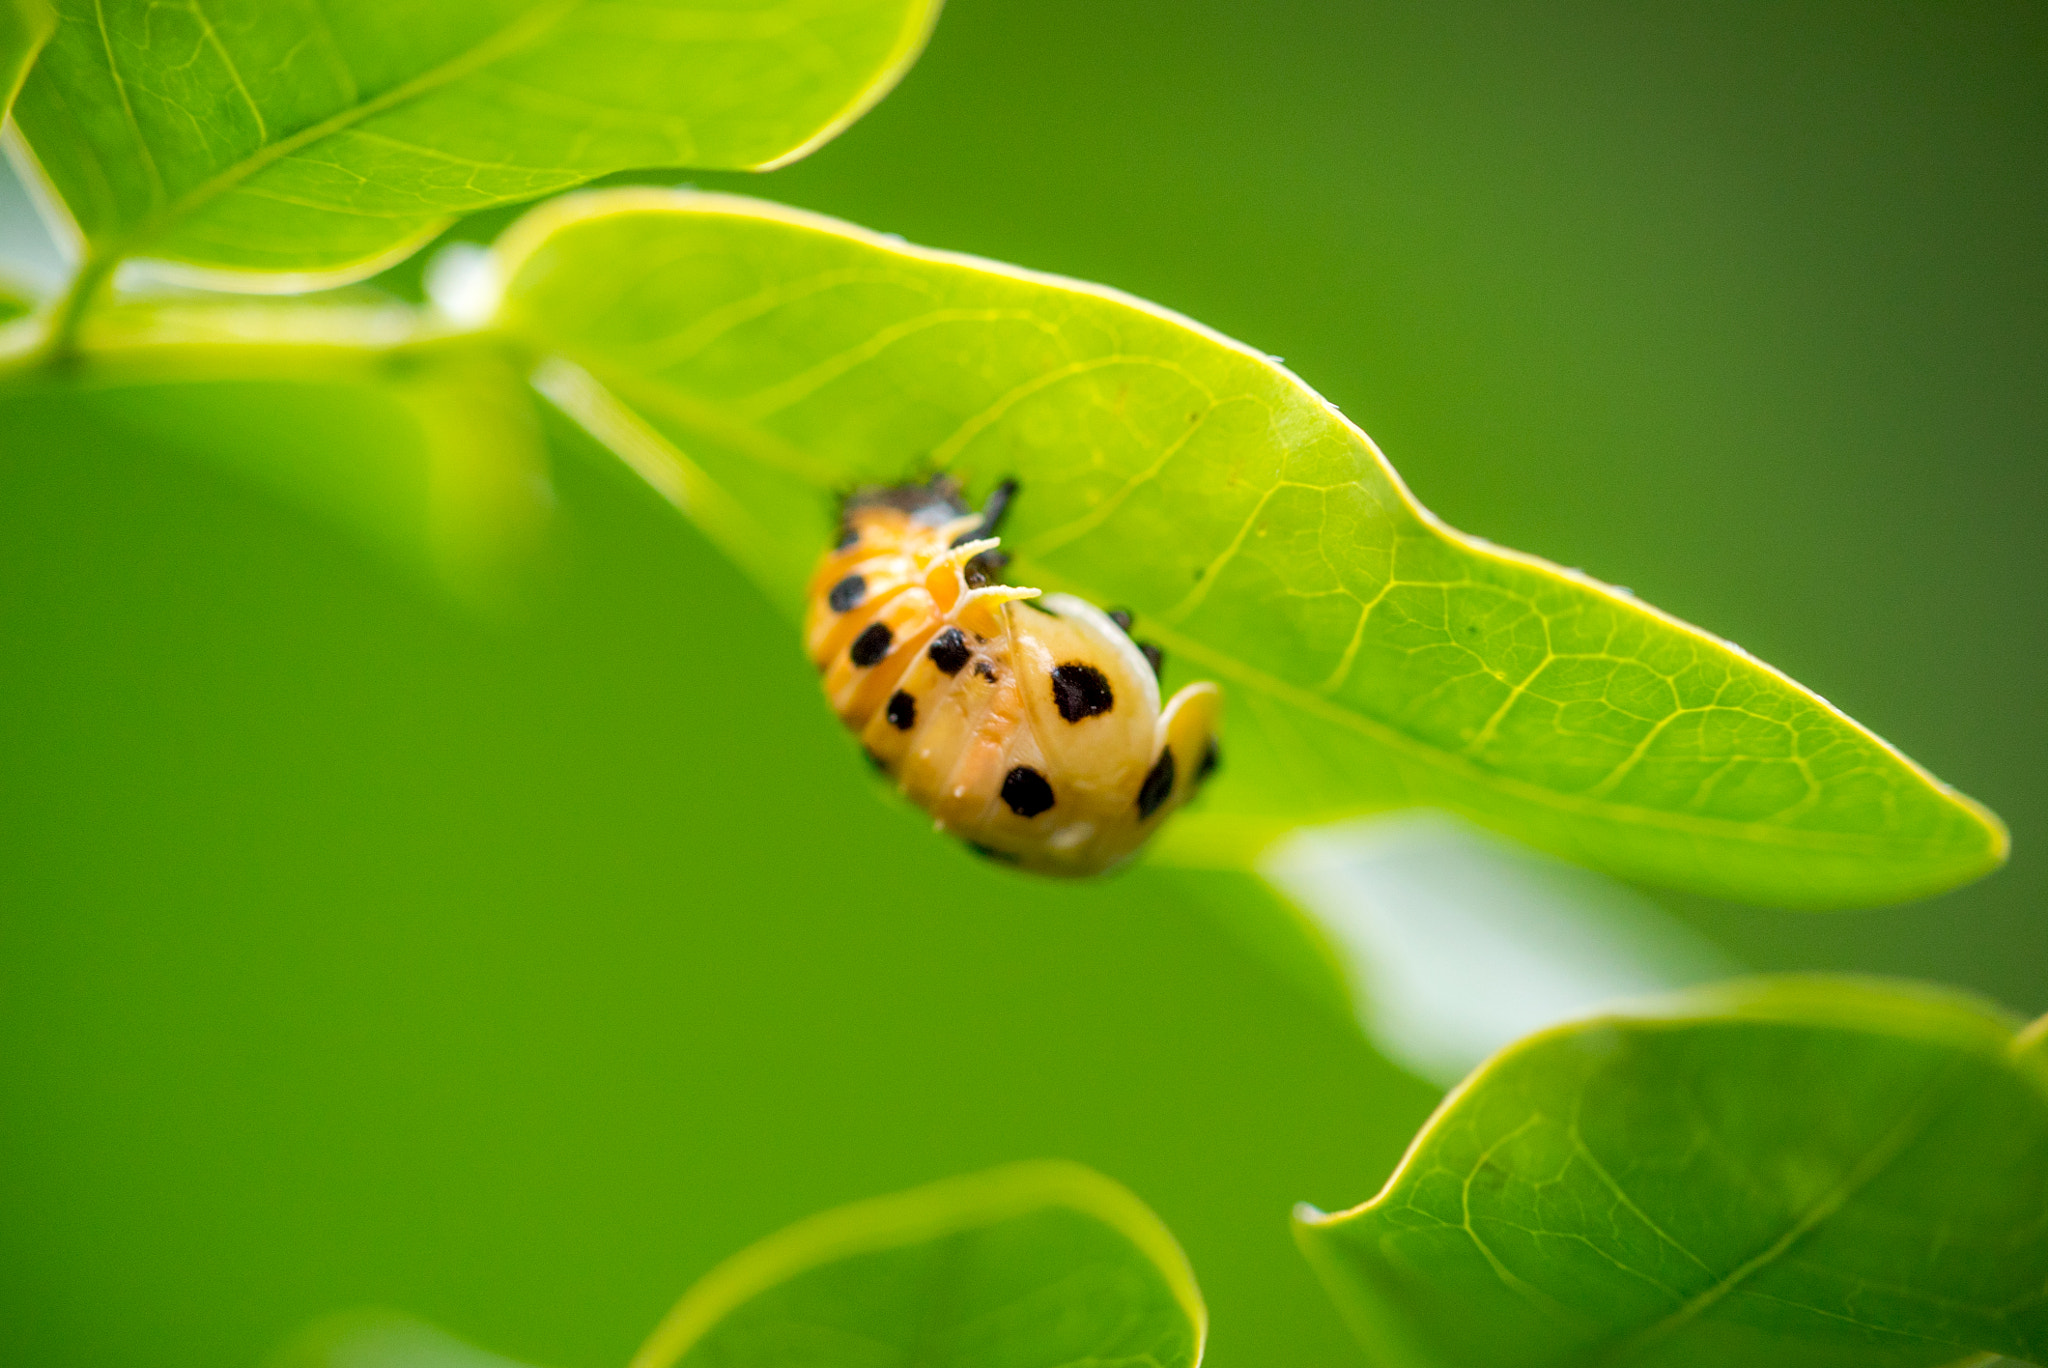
x=512, y=970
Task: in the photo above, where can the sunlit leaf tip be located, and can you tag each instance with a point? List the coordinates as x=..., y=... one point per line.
x=1034, y=1265
x=1779, y=1172
x=1374, y=657
x=918, y=19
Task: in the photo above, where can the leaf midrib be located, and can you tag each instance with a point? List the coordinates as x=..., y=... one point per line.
x=1384, y=733
x=1951, y=849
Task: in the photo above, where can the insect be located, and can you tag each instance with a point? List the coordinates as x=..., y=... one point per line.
x=1027, y=724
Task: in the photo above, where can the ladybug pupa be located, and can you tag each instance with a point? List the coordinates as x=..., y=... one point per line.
x=1027, y=724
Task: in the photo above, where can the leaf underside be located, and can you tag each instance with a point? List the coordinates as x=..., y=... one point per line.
x=1032, y=1266
x=1373, y=657
x=1834, y=1173
x=289, y=136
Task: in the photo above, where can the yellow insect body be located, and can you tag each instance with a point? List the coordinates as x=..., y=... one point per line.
x=1027, y=725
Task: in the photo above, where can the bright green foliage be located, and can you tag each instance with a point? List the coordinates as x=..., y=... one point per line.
x=288, y=136
x=1373, y=657
x=1806, y=1172
x=1032, y=1266
x=1836, y=1173
x=24, y=27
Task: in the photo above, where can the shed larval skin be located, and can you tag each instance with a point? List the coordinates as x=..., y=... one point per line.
x=1028, y=725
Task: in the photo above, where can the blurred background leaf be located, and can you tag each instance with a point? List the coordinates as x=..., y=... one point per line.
x=1450, y=943
x=1029, y=1266
x=283, y=139
x=1810, y=1173
x=436, y=458
x=33, y=263
x=1032, y=1265
x=25, y=26
x=380, y=1339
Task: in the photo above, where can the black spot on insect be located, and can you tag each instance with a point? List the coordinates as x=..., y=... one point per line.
x=902, y=711
x=949, y=650
x=1158, y=785
x=1035, y=606
x=985, y=670
x=847, y=593
x=848, y=535
x=1211, y=758
x=1026, y=791
x=1122, y=618
x=991, y=853
x=1154, y=657
x=1080, y=691
x=871, y=645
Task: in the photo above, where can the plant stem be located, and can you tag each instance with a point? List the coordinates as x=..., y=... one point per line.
x=60, y=346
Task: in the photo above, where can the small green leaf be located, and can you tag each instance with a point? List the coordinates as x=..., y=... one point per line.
x=329, y=139
x=1037, y=1265
x=1783, y=1173
x=1044, y=1265
x=25, y=26
x=1373, y=657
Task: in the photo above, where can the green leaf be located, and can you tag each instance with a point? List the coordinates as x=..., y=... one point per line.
x=1033, y=1266
x=329, y=139
x=25, y=26
x=1373, y=658
x=1036, y=1265
x=1820, y=1172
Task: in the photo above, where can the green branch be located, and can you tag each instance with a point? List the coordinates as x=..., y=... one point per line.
x=60, y=341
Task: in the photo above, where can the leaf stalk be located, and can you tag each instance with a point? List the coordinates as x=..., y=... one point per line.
x=60, y=342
